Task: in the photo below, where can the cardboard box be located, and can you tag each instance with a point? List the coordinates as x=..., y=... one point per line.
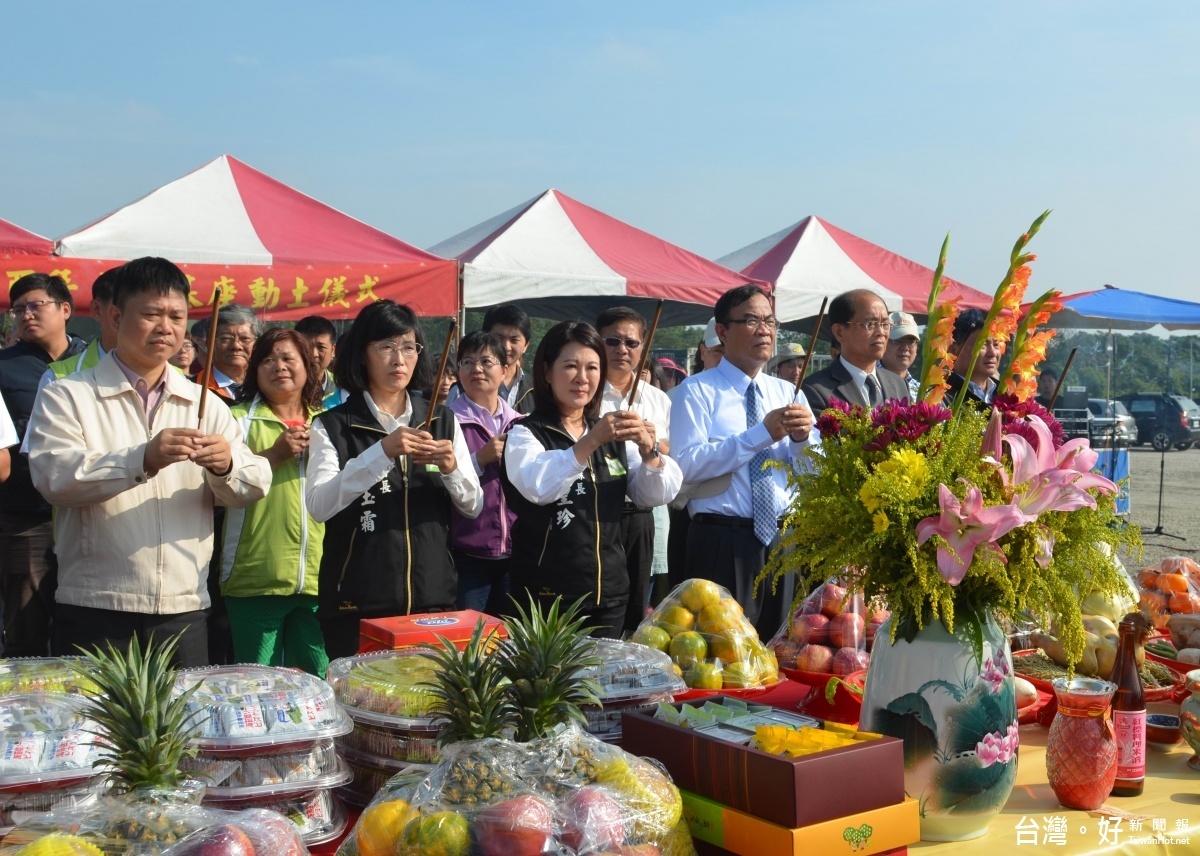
x=403, y=631
x=789, y=792
x=862, y=834
x=703, y=848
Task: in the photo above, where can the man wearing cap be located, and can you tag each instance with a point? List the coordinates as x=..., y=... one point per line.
x=860, y=324
x=981, y=387
x=902, y=349
x=726, y=425
x=786, y=364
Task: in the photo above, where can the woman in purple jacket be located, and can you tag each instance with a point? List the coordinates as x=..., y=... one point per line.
x=482, y=547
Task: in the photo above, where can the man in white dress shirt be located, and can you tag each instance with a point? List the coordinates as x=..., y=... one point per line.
x=624, y=332
x=726, y=424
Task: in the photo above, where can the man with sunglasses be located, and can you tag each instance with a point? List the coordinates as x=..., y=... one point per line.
x=861, y=326
x=41, y=306
x=624, y=332
x=727, y=424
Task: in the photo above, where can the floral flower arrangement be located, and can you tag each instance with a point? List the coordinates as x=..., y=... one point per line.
x=951, y=513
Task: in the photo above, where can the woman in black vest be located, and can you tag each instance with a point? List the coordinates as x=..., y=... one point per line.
x=566, y=474
x=384, y=485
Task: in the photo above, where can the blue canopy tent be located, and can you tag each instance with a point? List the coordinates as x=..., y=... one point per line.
x=1113, y=308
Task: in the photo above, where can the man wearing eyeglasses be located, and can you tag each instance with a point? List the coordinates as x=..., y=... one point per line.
x=727, y=424
x=624, y=332
x=237, y=331
x=41, y=306
x=861, y=326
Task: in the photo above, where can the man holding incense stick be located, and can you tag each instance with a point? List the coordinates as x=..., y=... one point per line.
x=726, y=425
x=116, y=450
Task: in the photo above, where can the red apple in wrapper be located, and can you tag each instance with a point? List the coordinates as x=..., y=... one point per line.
x=847, y=630
x=811, y=628
x=591, y=820
x=830, y=597
x=848, y=660
x=271, y=833
x=518, y=827
x=226, y=840
x=815, y=658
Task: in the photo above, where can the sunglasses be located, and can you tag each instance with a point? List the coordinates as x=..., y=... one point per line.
x=617, y=341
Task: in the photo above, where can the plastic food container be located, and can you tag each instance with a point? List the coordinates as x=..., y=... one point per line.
x=21, y=675
x=44, y=741
x=382, y=688
x=371, y=774
x=605, y=722
x=318, y=815
x=18, y=806
x=415, y=745
x=250, y=706
x=632, y=671
x=268, y=773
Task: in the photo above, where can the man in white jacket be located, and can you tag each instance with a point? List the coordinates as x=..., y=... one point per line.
x=116, y=450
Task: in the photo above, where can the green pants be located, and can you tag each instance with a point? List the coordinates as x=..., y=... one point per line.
x=278, y=630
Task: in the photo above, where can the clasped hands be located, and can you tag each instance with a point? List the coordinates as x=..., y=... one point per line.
x=172, y=445
x=794, y=420
x=421, y=446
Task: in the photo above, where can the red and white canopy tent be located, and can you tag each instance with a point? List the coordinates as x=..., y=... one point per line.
x=22, y=252
x=814, y=259
x=243, y=236
x=562, y=259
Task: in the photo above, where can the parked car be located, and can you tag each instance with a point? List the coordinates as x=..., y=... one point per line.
x=1164, y=420
x=1110, y=423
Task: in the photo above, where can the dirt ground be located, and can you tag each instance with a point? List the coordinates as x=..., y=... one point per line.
x=1181, y=503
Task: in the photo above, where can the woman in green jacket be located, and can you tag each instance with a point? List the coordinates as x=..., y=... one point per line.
x=272, y=549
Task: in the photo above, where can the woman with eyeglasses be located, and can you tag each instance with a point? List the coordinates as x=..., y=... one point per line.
x=566, y=471
x=385, y=485
x=482, y=546
x=272, y=549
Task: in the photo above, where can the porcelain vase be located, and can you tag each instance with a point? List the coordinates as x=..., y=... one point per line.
x=957, y=715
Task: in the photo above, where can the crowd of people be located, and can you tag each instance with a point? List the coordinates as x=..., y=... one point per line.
x=262, y=509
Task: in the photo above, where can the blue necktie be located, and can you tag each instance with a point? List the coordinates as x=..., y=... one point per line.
x=762, y=488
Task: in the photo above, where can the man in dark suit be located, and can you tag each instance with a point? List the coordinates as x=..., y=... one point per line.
x=860, y=325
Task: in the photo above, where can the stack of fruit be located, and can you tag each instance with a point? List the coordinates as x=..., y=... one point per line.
x=631, y=677
x=830, y=634
x=46, y=755
x=384, y=694
x=1170, y=588
x=143, y=730
x=568, y=794
x=710, y=642
x=264, y=740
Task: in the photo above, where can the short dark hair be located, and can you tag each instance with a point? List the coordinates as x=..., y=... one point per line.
x=314, y=381
x=552, y=344
x=149, y=273
x=510, y=315
x=54, y=286
x=315, y=325
x=383, y=319
x=473, y=343
x=1050, y=373
x=842, y=307
x=967, y=322
x=617, y=314
x=105, y=283
x=735, y=297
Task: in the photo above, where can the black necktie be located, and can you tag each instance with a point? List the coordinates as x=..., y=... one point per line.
x=874, y=393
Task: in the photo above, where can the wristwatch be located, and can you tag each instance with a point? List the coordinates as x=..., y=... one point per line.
x=654, y=453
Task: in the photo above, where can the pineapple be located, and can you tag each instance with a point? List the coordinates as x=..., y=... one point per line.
x=472, y=696
x=472, y=702
x=544, y=658
x=144, y=730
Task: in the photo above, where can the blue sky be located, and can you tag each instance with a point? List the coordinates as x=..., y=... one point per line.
x=709, y=124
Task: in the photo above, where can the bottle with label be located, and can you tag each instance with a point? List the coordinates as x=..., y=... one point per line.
x=1129, y=711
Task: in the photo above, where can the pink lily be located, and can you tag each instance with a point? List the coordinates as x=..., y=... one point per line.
x=965, y=526
x=1054, y=479
x=991, y=437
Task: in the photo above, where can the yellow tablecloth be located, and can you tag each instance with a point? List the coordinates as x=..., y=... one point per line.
x=1033, y=814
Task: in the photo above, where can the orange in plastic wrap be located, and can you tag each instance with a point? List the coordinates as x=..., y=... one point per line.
x=1184, y=602
x=1172, y=582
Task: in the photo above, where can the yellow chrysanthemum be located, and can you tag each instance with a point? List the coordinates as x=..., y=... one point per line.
x=879, y=522
x=868, y=495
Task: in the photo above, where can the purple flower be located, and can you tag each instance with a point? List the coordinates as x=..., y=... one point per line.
x=900, y=420
x=1016, y=418
x=829, y=423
